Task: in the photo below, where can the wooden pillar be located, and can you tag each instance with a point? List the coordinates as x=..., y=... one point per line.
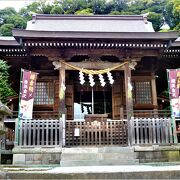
x=62, y=109
x=129, y=101
x=153, y=90
x=154, y=96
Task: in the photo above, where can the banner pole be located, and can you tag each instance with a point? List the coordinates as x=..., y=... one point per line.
x=18, y=119
x=173, y=123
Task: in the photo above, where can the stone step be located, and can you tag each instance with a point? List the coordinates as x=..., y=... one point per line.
x=69, y=163
x=80, y=156
x=98, y=150
x=99, y=156
x=107, y=162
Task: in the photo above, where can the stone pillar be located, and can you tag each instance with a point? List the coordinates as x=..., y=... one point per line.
x=129, y=101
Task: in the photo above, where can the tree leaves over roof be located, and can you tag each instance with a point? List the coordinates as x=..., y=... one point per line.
x=5, y=88
x=160, y=11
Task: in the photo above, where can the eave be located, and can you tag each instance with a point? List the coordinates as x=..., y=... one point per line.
x=29, y=34
x=8, y=41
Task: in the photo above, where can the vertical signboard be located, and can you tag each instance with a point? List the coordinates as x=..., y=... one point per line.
x=27, y=90
x=174, y=91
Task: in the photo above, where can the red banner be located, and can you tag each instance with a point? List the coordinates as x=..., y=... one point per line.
x=27, y=94
x=174, y=88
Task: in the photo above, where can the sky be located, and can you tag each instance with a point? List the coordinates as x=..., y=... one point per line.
x=17, y=4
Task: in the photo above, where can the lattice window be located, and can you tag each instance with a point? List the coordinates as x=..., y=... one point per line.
x=142, y=92
x=44, y=93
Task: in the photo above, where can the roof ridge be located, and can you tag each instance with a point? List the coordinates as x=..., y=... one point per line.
x=89, y=17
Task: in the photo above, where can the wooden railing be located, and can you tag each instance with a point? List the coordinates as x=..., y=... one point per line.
x=40, y=132
x=38, y=115
x=148, y=114
x=96, y=133
x=144, y=131
x=137, y=113
x=151, y=131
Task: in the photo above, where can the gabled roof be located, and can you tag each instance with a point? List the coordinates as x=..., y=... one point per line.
x=95, y=23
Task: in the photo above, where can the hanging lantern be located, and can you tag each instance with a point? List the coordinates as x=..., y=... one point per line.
x=111, y=80
x=91, y=80
x=101, y=80
x=81, y=77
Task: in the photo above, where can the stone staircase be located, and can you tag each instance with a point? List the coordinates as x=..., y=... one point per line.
x=98, y=156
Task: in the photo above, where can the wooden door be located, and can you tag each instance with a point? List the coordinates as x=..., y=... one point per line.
x=117, y=98
x=69, y=100
x=56, y=96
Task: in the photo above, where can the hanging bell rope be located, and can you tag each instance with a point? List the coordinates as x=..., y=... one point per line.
x=93, y=72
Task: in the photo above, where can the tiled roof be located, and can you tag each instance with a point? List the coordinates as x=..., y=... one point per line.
x=101, y=23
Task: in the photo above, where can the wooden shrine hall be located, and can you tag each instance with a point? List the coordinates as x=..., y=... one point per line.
x=96, y=83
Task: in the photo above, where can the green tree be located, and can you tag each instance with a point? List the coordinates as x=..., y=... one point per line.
x=119, y=5
x=5, y=88
x=87, y=11
x=115, y=13
x=156, y=19
x=159, y=11
x=176, y=13
x=71, y=6
x=168, y=15
x=17, y=21
x=39, y=7
x=98, y=6
x=6, y=29
x=57, y=10
x=172, y=13
x=5, y=13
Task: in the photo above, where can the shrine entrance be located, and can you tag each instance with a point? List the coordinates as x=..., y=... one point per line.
x=92, y=100
x=82, y=100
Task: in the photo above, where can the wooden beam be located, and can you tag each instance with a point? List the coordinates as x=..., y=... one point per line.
x=154, y=93
x=96, y=65
x=129, y=100
x=62, y=109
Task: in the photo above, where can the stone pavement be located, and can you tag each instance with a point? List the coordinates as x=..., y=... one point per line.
x=92, y=172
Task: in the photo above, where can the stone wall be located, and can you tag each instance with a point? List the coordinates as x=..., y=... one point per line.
x=35, y=156
x=154, y=154
x=140, y=154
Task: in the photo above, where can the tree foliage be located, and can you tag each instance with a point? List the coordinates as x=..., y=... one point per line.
x=156, y=19
x=160, y=11
x=5, y=89
x=6, y=29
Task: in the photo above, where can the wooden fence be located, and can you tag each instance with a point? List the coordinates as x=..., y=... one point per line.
x=152, y=131
x=40, y=132
x=82, y=133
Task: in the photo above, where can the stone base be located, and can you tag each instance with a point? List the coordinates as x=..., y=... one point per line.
x=157, y=154
x=34, y=156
